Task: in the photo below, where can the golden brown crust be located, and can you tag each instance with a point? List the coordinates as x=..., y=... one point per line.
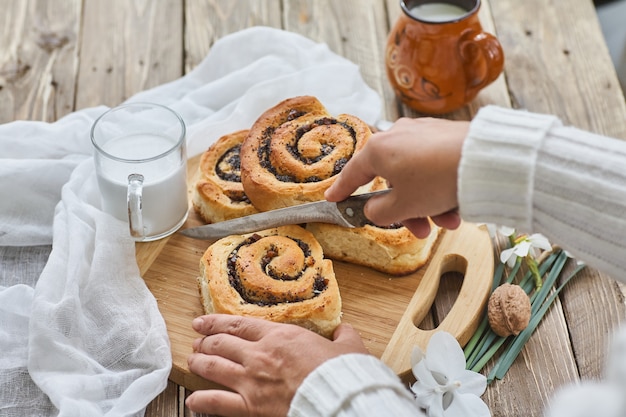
x=277, y=274
x=395, y=251
x=218, y=194
x=295, y=150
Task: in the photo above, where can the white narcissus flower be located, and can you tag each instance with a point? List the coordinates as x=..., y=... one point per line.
x=523, y=247
x=502, y=230
x=444, y=388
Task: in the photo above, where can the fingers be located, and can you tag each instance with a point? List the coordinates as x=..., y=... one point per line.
x=449, y=220
x=419, y=227
x=228, y=346
x=247, y=328
x=382, y=209
x=216, y=368
x=347, y=335
x=217, y=402
x=357, y=172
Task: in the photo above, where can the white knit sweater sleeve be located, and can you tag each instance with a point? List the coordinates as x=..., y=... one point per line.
x=353, y=385
x=527, y=171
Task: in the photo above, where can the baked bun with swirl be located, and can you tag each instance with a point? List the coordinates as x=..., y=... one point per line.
x=294, y=151
x=277, y=274
x=217, y=194
x=392, y=249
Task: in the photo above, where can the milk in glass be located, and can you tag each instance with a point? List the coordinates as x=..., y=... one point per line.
x=164, y=194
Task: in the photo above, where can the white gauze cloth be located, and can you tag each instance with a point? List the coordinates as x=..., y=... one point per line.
x=89, y=332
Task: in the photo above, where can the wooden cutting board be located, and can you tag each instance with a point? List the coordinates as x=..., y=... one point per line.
x=385, y=310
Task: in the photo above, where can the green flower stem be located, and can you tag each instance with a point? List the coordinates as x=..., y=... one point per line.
x=497, y=276
x=538, y=297
x=532, y=266
x=484, y=324
x=514, y=271
x=471, y=357
x=471, y=345
x=490, y=339
x=527, y=282
x=488, y=355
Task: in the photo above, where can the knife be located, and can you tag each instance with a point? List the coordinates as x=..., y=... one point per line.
x=346, y=213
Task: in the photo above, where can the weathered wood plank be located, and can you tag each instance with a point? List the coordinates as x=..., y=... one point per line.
x=591, y=333
x=38, y=58
x=207, y=21
x=168, y=403
x=354, y=29
x=553, y=68
x=127, y=47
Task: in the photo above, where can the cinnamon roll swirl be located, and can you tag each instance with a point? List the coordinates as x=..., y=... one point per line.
x=295, y=150
x=277, y=274
x=218, y=194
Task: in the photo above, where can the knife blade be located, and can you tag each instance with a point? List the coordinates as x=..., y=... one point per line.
x=346, y=213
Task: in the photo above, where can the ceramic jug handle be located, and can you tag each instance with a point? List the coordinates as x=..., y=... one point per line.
x=133, y=198
x=483, y=59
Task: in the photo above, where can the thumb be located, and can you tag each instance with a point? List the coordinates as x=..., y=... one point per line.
x=345, y=334
x=383, y=209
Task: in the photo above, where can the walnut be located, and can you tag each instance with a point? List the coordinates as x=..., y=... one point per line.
x=508, y=310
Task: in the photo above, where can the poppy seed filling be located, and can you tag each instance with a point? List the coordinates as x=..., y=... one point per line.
x=320, y=283
x=326, y=149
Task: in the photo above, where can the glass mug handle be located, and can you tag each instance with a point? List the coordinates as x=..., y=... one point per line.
x=133, y=199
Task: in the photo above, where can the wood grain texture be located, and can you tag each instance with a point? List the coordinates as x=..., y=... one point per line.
x=467, y=251
x=169, y=403
x=128, y=47
x=208, y=20
x=553, y=68
x=38, y=59
x=354, y=29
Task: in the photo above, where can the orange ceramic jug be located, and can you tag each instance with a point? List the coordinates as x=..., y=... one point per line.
x=438, y=57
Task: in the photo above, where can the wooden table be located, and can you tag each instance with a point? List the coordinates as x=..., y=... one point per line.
x=60, y=56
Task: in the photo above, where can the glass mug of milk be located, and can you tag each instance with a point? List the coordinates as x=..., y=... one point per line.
x=141, y=166
x=438, y=57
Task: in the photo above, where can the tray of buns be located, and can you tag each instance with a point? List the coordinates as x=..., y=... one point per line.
x=383, y=281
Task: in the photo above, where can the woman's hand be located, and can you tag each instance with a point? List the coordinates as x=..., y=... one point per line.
x=263, y=363
x=419, y=158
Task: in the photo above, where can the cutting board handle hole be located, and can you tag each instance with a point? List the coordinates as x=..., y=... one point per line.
x=451, y=276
